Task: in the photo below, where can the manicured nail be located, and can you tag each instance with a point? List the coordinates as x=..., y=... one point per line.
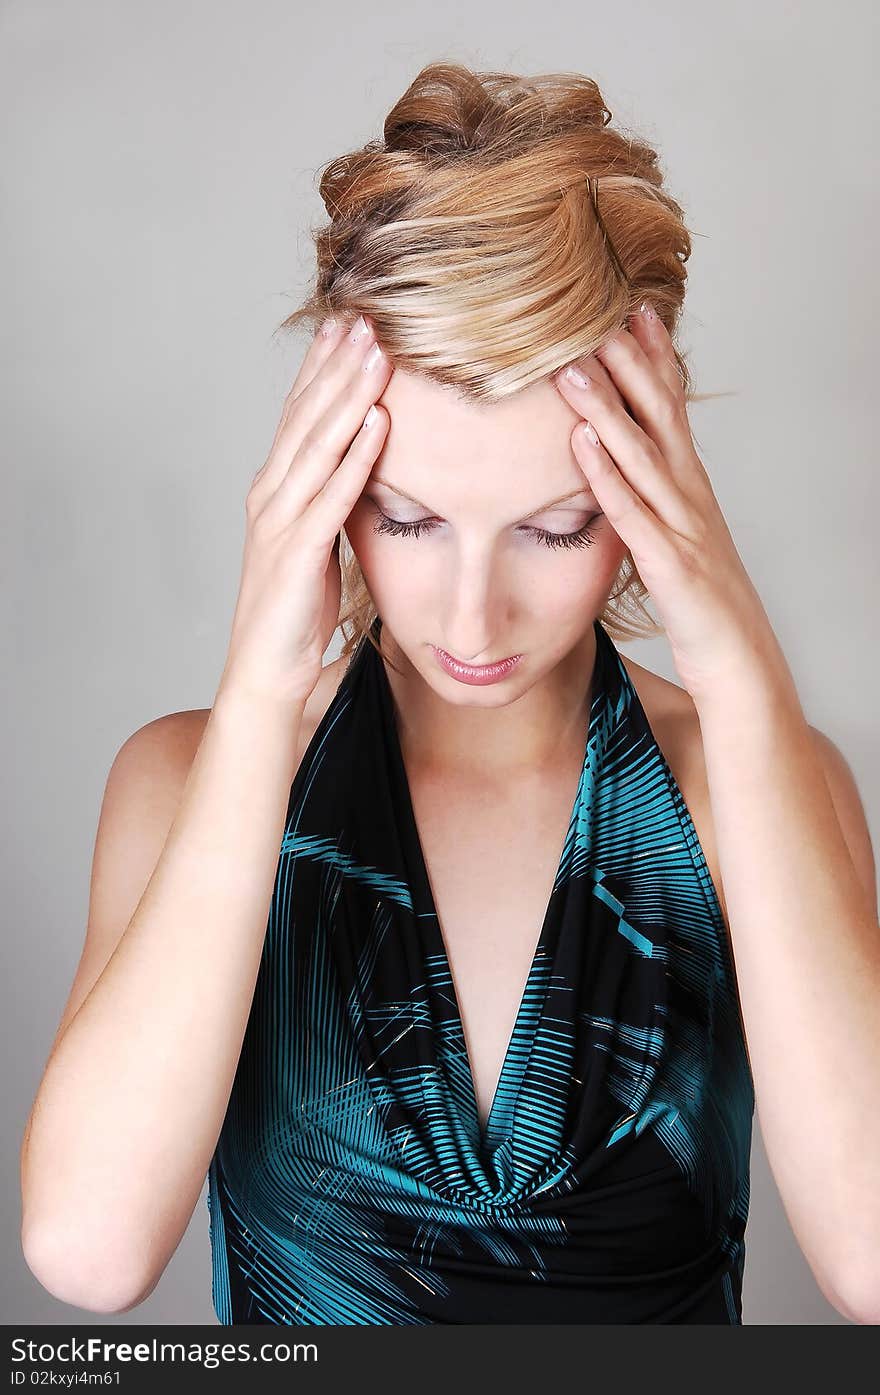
x=328, y=327
x=373, y=358
x=574, y=375
x=648, y=310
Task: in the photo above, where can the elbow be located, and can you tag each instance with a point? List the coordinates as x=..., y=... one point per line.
x=78, y=1274
x=855, y=1292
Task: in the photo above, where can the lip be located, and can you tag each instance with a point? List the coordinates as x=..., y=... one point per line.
x=476, y=674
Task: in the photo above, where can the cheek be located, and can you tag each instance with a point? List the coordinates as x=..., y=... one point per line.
x=577, y=577
x=386, y=564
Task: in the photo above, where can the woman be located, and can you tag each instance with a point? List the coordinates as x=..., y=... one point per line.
x=473, y=1047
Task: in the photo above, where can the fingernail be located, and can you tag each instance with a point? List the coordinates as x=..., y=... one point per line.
x=648, y=310
x=373, y=358
x=328, y=327
x=574, y=375
x=358, y=329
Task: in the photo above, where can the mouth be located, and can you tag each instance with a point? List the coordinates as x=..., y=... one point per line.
x=475, y=673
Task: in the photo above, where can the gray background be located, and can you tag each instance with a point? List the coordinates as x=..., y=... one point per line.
x=159, y=185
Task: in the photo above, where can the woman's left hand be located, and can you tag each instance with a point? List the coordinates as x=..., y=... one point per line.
x=654, y=490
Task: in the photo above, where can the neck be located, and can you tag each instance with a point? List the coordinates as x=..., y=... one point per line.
x=536, y=731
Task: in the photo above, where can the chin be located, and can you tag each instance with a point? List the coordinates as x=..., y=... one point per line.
x=497, y=694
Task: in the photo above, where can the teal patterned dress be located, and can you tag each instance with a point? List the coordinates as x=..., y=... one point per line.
x=352, y=1182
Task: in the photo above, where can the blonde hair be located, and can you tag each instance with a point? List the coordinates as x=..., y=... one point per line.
x=498, y=230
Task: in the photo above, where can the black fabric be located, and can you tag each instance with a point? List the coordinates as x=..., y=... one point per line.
x=352, y=1182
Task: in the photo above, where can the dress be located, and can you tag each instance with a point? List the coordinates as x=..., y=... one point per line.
x=352, y=1183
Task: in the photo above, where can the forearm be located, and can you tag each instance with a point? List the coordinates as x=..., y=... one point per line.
x=134, y=1095
x=807, y=953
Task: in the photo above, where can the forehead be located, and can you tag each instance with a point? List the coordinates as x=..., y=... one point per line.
x=436, y=435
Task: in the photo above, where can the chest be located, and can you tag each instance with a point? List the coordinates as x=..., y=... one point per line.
x=492, y=857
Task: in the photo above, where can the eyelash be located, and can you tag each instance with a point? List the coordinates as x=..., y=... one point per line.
x=584, y=537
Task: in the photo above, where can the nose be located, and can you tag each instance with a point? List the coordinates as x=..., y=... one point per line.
x=477, y=614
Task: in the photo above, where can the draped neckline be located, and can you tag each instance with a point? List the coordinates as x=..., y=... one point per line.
x=488, y=1135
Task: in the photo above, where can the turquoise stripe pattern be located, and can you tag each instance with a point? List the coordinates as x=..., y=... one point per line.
x=352, y=1181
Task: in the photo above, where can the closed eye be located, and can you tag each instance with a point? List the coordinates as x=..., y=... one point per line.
x=583, y=537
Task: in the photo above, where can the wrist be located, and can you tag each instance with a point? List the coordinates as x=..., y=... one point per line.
x=751, y=692
x=237, y=706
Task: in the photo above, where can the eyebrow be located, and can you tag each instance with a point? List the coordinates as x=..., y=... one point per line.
x=561, y=500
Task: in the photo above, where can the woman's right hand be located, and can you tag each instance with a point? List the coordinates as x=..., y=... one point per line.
x=321, y=458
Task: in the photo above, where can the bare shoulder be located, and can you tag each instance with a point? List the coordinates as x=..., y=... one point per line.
x=173, y=739
x=670, y=711
x=141, y=796
x=147, y=777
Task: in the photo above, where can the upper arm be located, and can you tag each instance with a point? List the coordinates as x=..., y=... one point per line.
x=850, y=813
x=141, y=798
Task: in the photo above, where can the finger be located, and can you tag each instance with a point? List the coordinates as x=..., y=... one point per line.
x=595, y=369
x=328, y=412
x=663, y=413
x=326, y=338
x=651, y=334
x=331, y=506
x=655, y=406
x=637, y=457
x=627, y=512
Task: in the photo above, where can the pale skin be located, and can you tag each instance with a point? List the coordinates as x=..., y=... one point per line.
x=775, y=806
